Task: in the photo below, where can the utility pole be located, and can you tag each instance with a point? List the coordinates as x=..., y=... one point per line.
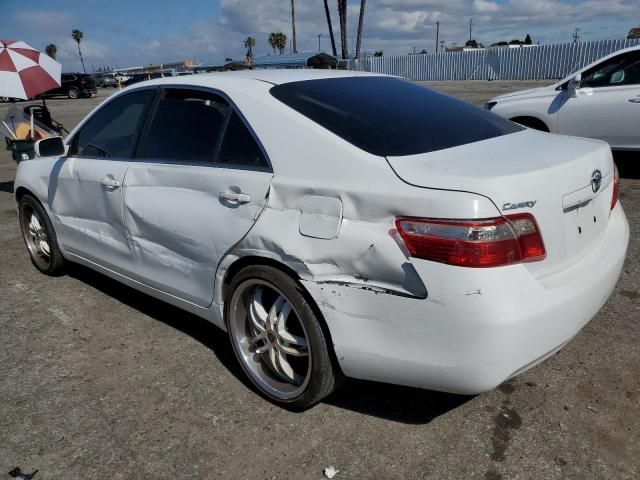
x=319, y=35
x=470, y=27
x=293, y=26
x=437, y=33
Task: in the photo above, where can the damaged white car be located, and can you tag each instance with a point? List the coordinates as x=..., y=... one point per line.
x=336, y=223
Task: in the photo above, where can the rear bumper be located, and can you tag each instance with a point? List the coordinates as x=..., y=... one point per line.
x=477, y=327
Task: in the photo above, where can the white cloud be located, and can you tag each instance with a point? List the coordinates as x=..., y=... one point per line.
x=482, y=6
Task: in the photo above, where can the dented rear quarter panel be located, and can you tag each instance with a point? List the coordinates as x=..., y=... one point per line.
x=309, y=162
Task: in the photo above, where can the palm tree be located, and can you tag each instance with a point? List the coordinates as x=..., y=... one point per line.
x=293, y=26
x=342, y=15
x=51, y=50
x=280, y=42
x=249, y=43
x=360, y=22
x=333, y=40
x=77, y=35
x=273, y=41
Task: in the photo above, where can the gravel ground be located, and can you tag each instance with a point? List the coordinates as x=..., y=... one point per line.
x=99, y=381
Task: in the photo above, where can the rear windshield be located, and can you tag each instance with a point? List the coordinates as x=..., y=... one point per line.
x=388, y=116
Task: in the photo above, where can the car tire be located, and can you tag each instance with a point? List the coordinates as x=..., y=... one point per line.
x=73, y=93
x=292, y=363
x=39, y=237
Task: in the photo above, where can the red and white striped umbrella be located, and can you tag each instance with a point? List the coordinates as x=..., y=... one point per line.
x=25, y=72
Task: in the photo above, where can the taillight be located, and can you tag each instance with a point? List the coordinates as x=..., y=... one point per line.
x=616, y=186
x=474, y=243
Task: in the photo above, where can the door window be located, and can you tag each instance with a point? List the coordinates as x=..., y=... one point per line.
x=113, y=131
x=620, y=70
x=186, y=126
x=239, y=147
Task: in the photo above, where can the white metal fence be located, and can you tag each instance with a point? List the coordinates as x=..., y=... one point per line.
x=527, y=63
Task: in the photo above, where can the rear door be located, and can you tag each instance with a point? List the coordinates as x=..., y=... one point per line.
x=85, y=189
x=198, y=185
x=607, y=105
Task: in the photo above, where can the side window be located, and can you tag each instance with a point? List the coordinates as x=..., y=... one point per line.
x=113, y=131
x=239, y=147
x=186, y=126
x=620, y=70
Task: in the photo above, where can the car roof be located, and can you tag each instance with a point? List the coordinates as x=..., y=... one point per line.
x=272, y=76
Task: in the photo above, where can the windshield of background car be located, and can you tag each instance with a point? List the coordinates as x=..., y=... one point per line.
x=388, y=116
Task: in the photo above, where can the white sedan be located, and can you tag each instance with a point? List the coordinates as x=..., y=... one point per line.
x=336, y=223
x=600, y=101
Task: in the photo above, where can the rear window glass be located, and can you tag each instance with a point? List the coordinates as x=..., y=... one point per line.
x=388, y=116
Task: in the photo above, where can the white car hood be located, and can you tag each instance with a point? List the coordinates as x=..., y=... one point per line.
x=522, y=93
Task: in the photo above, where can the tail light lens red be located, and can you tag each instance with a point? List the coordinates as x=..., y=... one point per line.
x=616, y=186
x=492, y=242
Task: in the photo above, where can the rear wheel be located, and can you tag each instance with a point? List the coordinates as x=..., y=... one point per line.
x=73, y=93
x=39, y=236
x=278, y=339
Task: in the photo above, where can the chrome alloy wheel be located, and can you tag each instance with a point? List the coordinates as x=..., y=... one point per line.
x=270, y=339
x=35, y=236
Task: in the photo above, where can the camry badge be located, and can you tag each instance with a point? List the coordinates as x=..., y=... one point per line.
x=513, y=206
x=596, y=180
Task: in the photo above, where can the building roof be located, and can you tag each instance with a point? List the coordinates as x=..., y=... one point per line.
x=292, y=60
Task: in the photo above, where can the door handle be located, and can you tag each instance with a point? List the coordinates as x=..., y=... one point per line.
x=634, y=100
x=110, y=182
x=234, y=197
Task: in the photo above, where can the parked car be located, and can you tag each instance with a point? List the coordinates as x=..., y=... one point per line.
x=600, y=101
x=419, y=241
x=141, y=77
x=74, y=85
x=108, y=80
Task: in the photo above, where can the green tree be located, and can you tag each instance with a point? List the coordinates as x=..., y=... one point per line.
x=77, y=35
x=527, y=40
x=473, y=44
x=280, y=42
x=249, y=43
x=273, y=41
x=51, y=50
x=378, y=53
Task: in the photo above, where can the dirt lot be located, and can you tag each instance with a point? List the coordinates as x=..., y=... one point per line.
x=99, y=381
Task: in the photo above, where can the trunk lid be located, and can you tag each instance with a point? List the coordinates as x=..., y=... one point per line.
x=549, y=176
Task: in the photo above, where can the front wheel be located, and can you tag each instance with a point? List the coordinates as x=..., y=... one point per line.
x=278, y=338
x=39, y=237
x=73, y=93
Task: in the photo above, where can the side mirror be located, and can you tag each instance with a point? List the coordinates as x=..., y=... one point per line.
x=575, y=83
x=50, y=147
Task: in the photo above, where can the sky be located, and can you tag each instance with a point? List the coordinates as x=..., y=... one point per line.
x=121, y=33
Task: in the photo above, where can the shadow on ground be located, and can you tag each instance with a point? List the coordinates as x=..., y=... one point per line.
x=6, y=187
x=390, y=402
x=628, y=164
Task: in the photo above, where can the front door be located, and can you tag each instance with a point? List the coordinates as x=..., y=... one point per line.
x=197, y=189
x=607, y=104
x=85, y=190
